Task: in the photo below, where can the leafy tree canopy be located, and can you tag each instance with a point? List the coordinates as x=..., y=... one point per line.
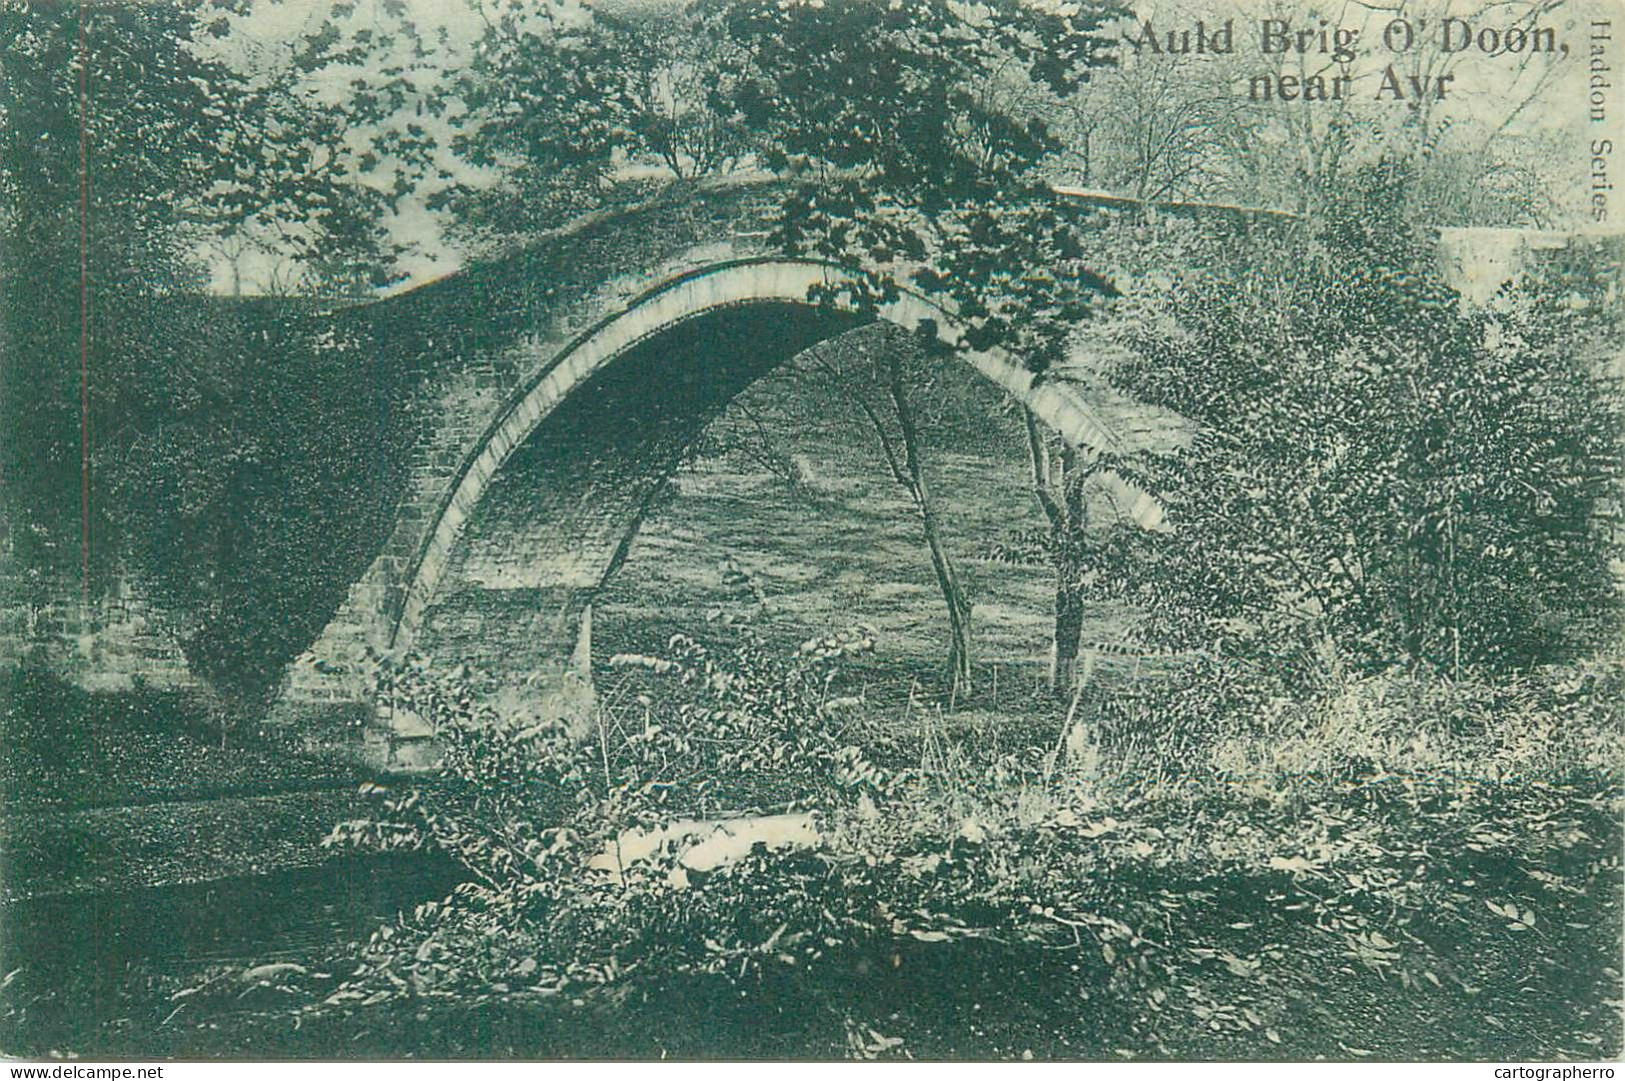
x=1383, y=475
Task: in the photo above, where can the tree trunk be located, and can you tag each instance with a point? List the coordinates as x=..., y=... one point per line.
x=1069, y=606
x=1059, y=487
x=953, y=594
x=959, y=611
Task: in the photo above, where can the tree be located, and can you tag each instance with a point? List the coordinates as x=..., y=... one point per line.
x=875, y=381
x=563, y=107
x=140, y=415
x=132, y=245
x=126, y=123
x=327, y=138
x=678, y=74
x=899, y=435
x=920, y=135
x=540, y=109
x=1150, y=128
x=1383, y=476
x=920, y=132
x=1060, y=476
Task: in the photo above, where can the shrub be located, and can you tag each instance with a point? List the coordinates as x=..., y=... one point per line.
x=1319, y=844
x=1383, y=474
x=539, y=820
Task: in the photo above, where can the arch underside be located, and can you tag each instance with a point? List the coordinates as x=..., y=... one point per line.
x=555, y=521
x=497, y=552
x=543, y=511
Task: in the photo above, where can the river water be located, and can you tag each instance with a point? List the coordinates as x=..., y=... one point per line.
x=282, y=914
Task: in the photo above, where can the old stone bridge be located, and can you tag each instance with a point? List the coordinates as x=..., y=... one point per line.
x=530, y=408
x=551, y=392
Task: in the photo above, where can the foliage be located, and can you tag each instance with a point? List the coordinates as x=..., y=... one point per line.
x=280, y=420
x=1186, y=909
x=539, y=104
x=564, y=108
x=330, y=121
x=40, y=221
x=1382, y=474
x=1415, y=869
x=906, y=125
x=540, y=819
x=181, y=149
x=898, y=429
x=680, y=73
x=1060, y=483
x=920, y=131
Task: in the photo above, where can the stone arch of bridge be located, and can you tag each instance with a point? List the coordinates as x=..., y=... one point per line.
x=498, y=553
x=770, y=284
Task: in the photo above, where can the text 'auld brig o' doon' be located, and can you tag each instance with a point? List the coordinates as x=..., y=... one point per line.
x=1342, y=46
